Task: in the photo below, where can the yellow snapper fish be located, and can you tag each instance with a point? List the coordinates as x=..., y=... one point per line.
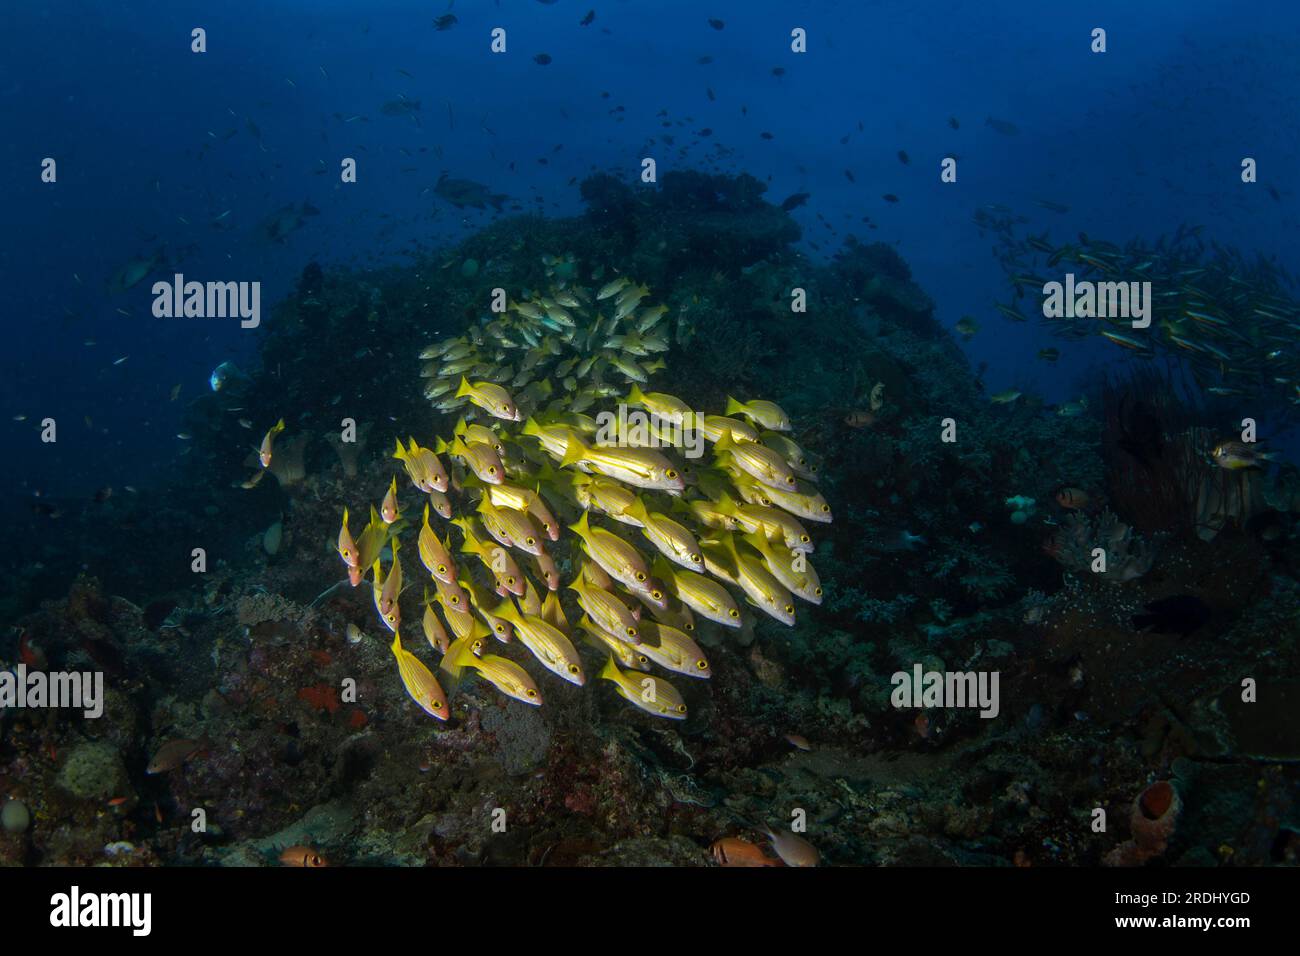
x=667, y=407
x=501, y=672
x=627, y=654
x=797, y=574
x=651, y=694
x=618, y=558
x=388, y=507
x=479, y=601
x=606, y=610
x=490, y=397
x=347, y=547
x=762, y=588
x=434, y=553
x=387, y=589
x=264, y=452
x=482, y=460
x=804, y=502
x=758, y=461
x=701, y=594
x=641, y=467
x=423, y=466
x=434, y=632
x=419, y=681
x=713, y=427
x=672, y=539
x=768, y=414
x=546, y=642
x=675, y=651
x=441, y=503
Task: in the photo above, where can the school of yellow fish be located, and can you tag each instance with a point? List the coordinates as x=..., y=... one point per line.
x=662, y=540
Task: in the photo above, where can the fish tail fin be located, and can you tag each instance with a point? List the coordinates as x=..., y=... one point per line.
x=610, y=671
x=637, y=509
x=583, y=527
x=401, y=453
x=574, y=451
x=636, y=396
x=464, y=388
x=733, y=406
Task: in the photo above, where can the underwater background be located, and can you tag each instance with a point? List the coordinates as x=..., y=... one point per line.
x=836, y=255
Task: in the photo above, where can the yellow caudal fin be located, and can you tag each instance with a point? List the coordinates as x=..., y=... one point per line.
x=610, y=671
x=583, y=527
x=574, y=451
x=465, y=388
x=733, y=406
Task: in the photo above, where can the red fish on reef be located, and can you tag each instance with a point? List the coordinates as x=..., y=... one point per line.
x=175, y=753
x=303, y=856
x=733, y=851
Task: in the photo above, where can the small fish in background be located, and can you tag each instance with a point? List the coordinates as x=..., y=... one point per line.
x=1049, y=355
x=176, y=753
x=103, y=494
x=735, y=852
x=794, y=201
x=1002, y=126
x=588, y=19
x=904, y=158
x=1073, y=409
x=445, y=22
x=1072, y=498
x=1051, y=206
x=861, y=418
x=542, y=59
x=1182, y=614
x=716, y=23
x=1239, y=455
x=303, y=856
x=264, y=452
x=221, y=375
x=793, y=849
x=889, y=197
x=967, y=326
x=953, y=122
x=1005, y=398
x=799, y=742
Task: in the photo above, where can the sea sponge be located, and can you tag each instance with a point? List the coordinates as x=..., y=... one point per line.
x=1152, y=821
x=94, y=770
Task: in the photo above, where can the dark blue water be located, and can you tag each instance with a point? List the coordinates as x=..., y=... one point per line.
x=162, y=150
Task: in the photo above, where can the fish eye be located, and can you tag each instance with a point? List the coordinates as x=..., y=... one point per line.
x=530, y=540
x=642, y=659
x=681, y=708
x=689, y=626
x=695, y=559
x=734, y=613
x=791, y=482
x=531, y=693
x=492, y=469
x=789, y=609
x=818, y=592
x=575, y=669
x=455, y=600
x=442, y=569
x=702, y=664
x=631, y=632
x=804, y=539
x=671, y=473
x=510, y=579
x=825, y=508
x=640, y=575
x=437, y=705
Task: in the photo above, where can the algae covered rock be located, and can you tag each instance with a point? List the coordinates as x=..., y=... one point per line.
x=94, y=770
